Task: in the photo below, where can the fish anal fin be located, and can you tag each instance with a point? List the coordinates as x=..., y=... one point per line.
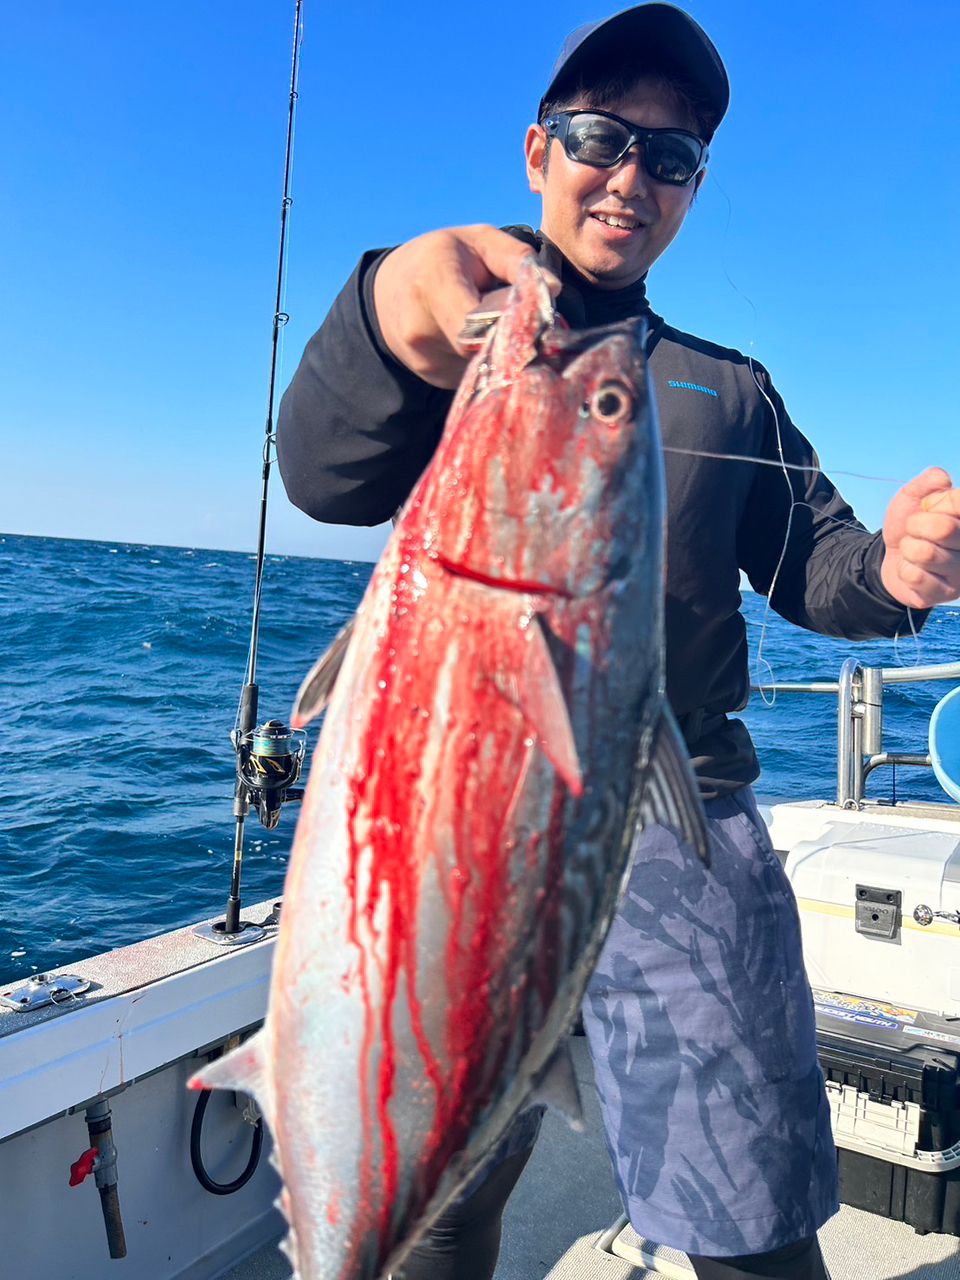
x=243, y=1069
x=530, y=681
x=671, y=794
x=314, y=693
x=557, y=1088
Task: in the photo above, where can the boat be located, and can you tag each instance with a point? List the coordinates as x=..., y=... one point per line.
x=108, y=1165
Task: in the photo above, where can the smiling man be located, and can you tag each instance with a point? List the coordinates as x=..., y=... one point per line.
x=699, y=1016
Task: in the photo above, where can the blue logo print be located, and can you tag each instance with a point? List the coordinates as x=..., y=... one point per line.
x=694, y=386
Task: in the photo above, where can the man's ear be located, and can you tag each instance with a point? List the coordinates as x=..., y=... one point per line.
x=535, y=150
x=698, y=181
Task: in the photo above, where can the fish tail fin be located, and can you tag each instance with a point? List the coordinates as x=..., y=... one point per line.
x=243, y=1069
x=672, y=796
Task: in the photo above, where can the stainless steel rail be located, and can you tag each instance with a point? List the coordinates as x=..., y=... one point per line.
x=912, y=675
x=859, y=693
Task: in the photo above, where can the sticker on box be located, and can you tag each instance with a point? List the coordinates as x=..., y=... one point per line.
x=864, y=1019
x=940, y=1036
x=859, y=1004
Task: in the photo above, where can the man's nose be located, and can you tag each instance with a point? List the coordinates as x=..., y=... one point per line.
x=629, y=177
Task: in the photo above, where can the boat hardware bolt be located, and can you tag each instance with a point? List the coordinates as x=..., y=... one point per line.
x=925, y=915
x=42, y=989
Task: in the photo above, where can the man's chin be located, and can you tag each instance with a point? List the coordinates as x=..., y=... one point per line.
x=615, y=274
x=604, y=265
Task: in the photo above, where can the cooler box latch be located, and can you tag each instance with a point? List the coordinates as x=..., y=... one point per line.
x=878, y=913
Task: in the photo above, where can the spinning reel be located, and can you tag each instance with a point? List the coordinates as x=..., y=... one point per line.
x=269, y=760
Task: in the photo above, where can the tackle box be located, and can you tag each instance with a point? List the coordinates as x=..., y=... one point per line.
x=893, y=1081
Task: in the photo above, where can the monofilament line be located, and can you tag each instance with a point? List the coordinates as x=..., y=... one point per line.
x=776, y=462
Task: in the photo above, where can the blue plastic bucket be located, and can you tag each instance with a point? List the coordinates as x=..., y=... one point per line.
x=945, y=743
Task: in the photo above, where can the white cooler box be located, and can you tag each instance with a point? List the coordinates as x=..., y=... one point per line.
x=880, y=912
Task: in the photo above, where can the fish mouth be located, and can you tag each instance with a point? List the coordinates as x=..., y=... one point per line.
x=522, y=586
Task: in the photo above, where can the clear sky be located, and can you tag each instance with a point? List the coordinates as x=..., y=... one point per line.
x=140, y=193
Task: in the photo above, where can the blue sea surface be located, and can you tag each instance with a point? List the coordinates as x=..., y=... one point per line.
x=122, y=667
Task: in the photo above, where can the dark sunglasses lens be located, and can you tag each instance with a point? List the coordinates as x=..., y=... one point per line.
x=672, y=157
x=595, y=140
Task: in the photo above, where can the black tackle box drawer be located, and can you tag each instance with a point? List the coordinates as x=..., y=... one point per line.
x=896, y=1055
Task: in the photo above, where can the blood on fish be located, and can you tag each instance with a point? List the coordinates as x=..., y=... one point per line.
x=465, y=819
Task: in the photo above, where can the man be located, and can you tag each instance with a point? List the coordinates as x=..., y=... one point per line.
x=699, y=1017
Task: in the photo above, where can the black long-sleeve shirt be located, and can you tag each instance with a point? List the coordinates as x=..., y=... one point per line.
x=357, y=428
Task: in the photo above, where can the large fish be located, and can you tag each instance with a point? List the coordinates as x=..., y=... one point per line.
x=496, y=732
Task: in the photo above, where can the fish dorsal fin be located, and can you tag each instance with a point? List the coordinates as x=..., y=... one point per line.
x=557, y=1088
x=314, y=693
x=531, y=683
x=243, y=1069
x=528, y=312
x=671, y=795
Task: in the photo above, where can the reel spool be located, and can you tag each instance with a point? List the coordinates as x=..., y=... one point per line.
x=269, y=761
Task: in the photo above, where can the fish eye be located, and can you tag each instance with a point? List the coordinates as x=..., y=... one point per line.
x=611, y=403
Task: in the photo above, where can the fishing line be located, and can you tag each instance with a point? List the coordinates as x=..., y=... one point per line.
x=759, y=661
x=774, y=462
x=762, y=666
x=715, y=182
x=917, y=649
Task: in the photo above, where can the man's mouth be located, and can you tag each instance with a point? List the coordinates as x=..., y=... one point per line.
x=618, y=220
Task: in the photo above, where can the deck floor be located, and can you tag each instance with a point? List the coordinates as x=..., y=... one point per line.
x=553, y=1224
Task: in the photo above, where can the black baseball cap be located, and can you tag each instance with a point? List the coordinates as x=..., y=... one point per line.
x=660, y=34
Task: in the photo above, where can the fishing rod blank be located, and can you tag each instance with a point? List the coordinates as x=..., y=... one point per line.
x=269, y=757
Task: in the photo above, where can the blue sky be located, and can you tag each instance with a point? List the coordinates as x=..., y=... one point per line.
x=139, y=201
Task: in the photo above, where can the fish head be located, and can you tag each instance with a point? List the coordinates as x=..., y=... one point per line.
x=549, y=476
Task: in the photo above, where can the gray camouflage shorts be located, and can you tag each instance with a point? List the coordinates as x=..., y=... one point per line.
x=701, y=1027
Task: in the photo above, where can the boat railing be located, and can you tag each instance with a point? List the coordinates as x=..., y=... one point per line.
x=859, y=693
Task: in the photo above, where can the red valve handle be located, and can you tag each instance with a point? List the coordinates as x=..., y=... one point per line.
x=83, y=1167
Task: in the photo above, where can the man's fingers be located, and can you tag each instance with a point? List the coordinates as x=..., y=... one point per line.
x=936, y=527
x=478, y=261
x=928, y=483
x=930, y=555
x=424, y=290
x=500, y=254
x=451, y=308
x=946, y=501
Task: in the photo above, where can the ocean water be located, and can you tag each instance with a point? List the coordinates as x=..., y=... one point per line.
x=121, y=670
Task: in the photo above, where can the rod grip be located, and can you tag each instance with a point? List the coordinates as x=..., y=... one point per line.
x=248, y=707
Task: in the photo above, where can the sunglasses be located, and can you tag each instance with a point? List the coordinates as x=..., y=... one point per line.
x=601, y=139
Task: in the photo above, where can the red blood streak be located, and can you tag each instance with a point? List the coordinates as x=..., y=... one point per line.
x=479, y=771
x=485, y=743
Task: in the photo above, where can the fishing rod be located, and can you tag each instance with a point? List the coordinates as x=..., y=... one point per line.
x=269, y=757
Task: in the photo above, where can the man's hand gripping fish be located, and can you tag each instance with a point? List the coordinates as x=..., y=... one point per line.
x=496, y=732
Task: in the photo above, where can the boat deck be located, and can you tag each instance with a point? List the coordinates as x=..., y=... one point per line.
x=562, y=1227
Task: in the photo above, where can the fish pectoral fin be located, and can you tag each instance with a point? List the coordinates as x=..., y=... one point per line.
x=243, y=1069
x=671, y=795
x=557, y=1088
x=314, y=693
x=532, y=684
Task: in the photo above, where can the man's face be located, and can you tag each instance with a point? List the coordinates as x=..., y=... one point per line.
x=577, y=197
